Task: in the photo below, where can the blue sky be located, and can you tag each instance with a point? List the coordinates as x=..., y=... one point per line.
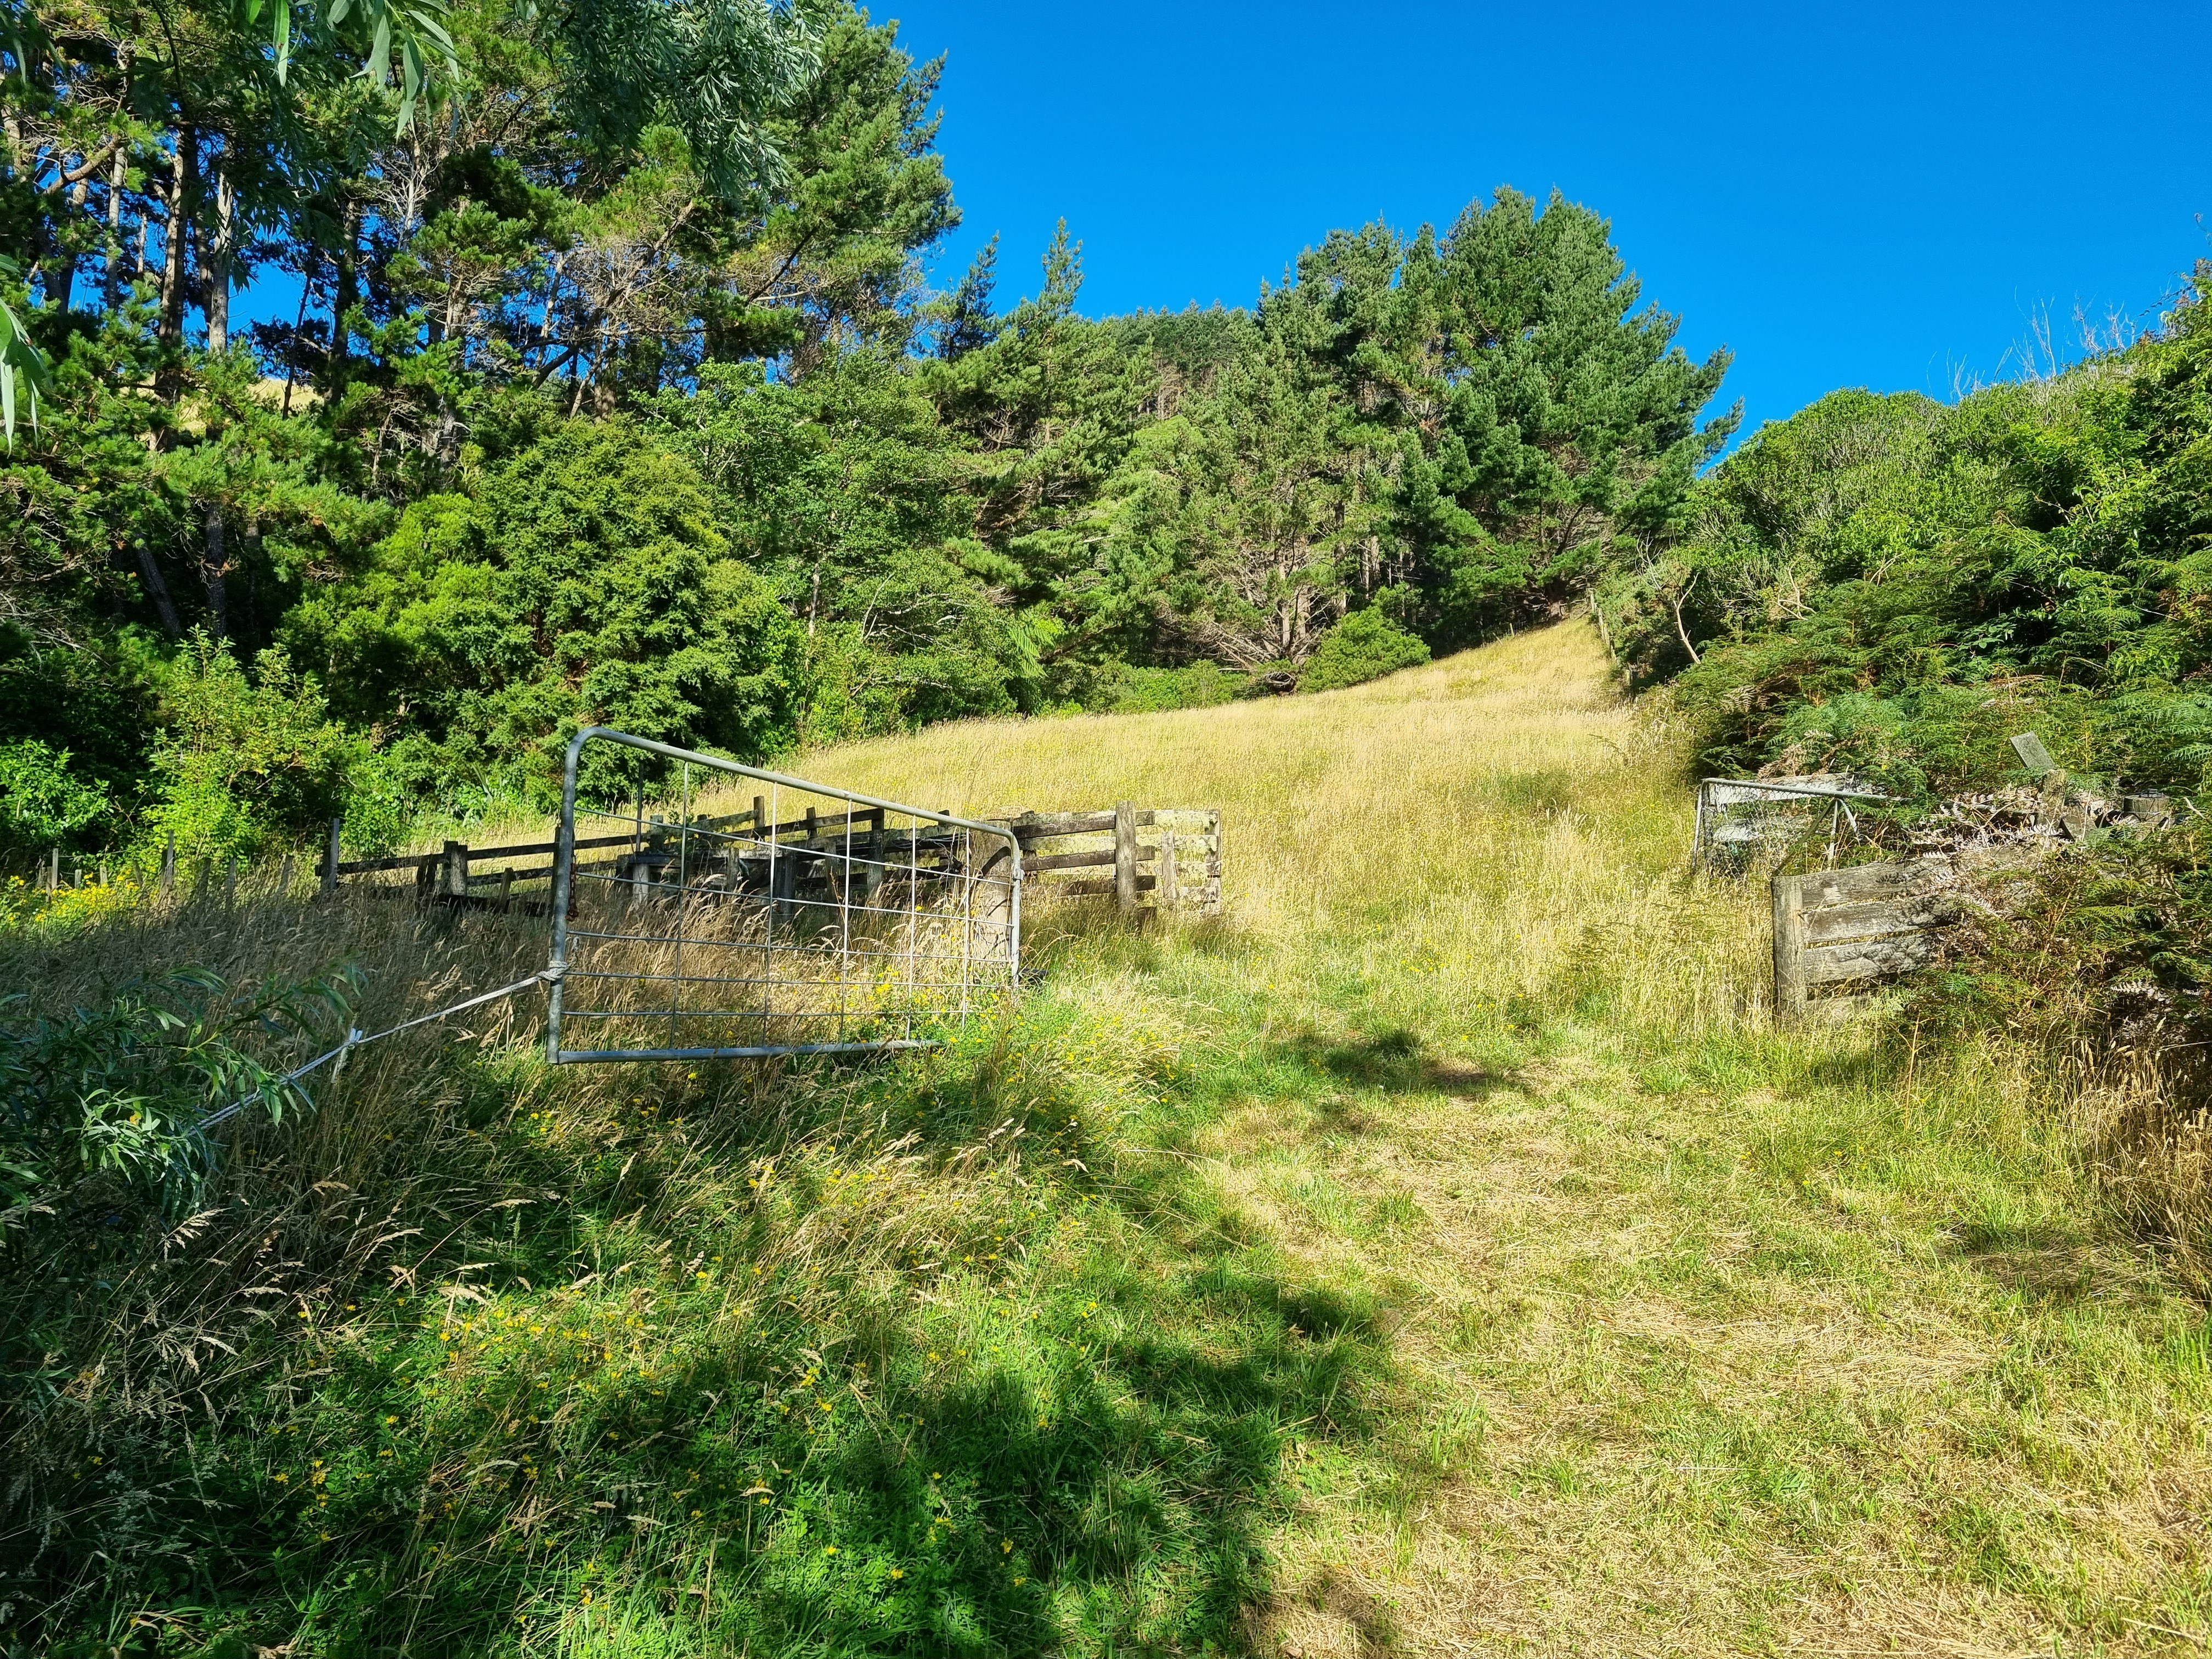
x=1880, y=196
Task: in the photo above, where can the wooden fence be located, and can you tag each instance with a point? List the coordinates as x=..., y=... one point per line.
x=1172, y=854
x=1867, y=921
x=458, y=874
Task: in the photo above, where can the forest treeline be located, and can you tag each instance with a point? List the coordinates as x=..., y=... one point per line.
x=614, y=390
x=594, y=407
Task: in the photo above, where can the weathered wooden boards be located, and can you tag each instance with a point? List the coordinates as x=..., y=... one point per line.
x=1172, y=853
x=1836, y=926
x=731, y=849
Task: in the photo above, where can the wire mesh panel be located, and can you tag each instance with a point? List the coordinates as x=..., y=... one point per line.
x=1743, y=820
x=739, y=913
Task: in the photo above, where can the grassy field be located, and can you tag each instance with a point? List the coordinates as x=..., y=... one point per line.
x=1438, y=1253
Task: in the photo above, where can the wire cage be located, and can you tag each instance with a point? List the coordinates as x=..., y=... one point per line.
x=770, y=915
x=1743, y=822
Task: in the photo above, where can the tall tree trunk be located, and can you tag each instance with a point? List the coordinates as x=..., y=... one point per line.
x=217, y=572
x=169, y=380
x=110, y=275
x=61, y=286
x=158, y=591
x=300, y=330
x=216, y=246
x=545, y=323
x=249, y=622
x=349, y=289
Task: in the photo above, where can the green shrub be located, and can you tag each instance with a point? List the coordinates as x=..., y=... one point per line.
x=1894, y=586
x=585, y=581
x=1155, y=690
x=244, y=763
x=1365, y=646
x=120, y=1092
x=42, y=802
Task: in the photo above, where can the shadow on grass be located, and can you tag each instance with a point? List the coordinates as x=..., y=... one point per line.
x=1088, y=1461
x=1103, y=1484
x=1101, y=1490
x=1395, y=1061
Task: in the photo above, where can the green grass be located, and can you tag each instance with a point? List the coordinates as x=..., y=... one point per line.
x=1440, y=1254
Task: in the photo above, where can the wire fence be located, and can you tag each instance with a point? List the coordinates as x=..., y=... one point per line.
x=1743, y=824
x=770, y=915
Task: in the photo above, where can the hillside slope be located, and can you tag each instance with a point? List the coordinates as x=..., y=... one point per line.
x=1438, y=1253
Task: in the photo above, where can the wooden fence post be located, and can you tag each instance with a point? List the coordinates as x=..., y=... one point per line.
x=1789, y=949
x=1169, y=886
x=331, y=856
x=456, y=869
x=169, y=866
x=1125, y=853
x=872, y=873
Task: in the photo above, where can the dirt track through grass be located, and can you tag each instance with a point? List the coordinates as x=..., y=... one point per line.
x=1705, y=1339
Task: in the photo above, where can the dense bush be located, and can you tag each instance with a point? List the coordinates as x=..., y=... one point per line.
x=585, y=581
x=1154, y=691
x=1365, y=646
x=244, y=763
x=43, y=803
x=1891, y=587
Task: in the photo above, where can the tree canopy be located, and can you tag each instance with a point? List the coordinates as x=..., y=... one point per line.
x=614, y=390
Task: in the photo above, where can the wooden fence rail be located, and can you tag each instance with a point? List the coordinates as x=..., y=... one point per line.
x=1172, y=854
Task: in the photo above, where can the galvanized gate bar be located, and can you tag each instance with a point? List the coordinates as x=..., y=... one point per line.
x=748, y=874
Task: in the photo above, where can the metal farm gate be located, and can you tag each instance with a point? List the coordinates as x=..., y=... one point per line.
x=804, y=919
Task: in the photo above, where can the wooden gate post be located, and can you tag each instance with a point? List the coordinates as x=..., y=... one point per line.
x=1169, y=888
x=331, y=856
x=1789, y=949
x=1125, y=853
x=456, y=869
